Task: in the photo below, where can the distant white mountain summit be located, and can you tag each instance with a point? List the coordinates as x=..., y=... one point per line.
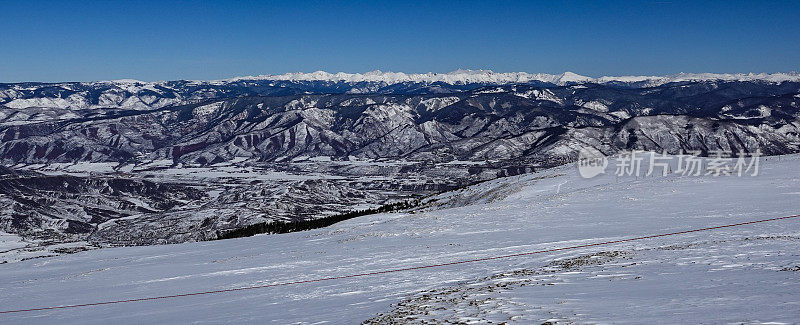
x=488, y=76
x=135, y=94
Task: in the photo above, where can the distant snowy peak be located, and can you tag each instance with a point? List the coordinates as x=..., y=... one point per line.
x=491, y=77
x=570, y=77
x=135, y=94
x=684, y=77
x=454, y=77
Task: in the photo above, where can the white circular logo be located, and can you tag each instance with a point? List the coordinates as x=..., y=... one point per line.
x=591, y=164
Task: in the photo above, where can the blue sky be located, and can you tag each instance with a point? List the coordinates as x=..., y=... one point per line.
x=166, y=40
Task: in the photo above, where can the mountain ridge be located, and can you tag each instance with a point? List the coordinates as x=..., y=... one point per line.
x=494, y=122
x=464, y=76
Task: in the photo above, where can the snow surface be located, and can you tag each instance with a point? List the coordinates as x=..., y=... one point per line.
x=10, y=241
x=747, y=274
x=14, y=248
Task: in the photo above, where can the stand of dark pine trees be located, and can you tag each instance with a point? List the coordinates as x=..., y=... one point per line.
x=281, y=227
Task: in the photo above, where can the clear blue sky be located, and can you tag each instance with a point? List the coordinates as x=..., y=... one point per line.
x=165, y=40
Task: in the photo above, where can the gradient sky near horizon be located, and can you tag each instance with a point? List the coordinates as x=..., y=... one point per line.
x=168, y=40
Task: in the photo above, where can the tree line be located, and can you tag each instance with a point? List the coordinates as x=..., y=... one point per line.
x=282, y=227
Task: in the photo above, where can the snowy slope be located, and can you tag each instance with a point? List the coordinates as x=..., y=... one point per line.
x=747, y=274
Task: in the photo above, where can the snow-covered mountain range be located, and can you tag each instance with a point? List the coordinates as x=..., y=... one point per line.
x=481, y=155
x=492, y=123
x=491, y=77
x=136, y=94
x=126, y=162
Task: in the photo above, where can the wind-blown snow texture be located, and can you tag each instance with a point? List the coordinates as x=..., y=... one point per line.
x=746, y=274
